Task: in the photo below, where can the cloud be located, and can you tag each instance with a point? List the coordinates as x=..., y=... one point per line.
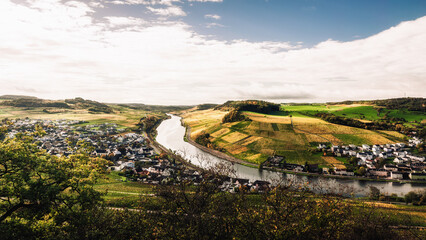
x=205, y=0
x=169, y=11
x=61, y=50
x=214, y=25
x=125, y=21
x=212, y=16
x=143, y=2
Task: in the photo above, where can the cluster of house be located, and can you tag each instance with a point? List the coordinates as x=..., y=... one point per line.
x=61, y=135
x=399, y=161
x=127, y=151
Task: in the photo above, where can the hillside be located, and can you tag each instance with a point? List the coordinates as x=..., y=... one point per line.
x=124, y=117
x=293, y=132
x=76, y=103
x=366, y=116
x=10, y=97
x=91, y=106
x=33, y=103
x=155, y=108
x=249, y=105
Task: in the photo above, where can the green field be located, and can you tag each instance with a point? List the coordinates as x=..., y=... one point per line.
x=313, y=108
x=121, y=193
x=361, y=112
x=355, y=111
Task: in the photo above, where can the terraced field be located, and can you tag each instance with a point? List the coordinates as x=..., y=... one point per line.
x=290, y=136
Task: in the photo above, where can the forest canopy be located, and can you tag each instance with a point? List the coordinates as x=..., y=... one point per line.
x=249, y=105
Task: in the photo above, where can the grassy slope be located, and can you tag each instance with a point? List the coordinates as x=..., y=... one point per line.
x=268, y=134
x=123, y=194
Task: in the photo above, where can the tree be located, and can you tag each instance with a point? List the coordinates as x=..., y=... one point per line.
x=353, y=161
x=34, y=184
x=361, y=171
x=234, y=116
x=374, y=193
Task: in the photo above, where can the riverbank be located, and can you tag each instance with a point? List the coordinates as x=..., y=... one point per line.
x=232, y=159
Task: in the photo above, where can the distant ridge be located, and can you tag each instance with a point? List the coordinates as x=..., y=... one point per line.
x=12, y=97
x=159, y=108
x=76, y=103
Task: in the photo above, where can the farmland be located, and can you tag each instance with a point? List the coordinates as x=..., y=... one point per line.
x=290, y=132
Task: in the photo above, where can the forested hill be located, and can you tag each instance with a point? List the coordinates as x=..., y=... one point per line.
x=26, y=102
x=155, y=108
x=76, y=103
x=411, y=104
x=11, y=97
x=249, y=105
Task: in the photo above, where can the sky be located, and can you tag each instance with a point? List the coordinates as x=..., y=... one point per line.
x=185, y=52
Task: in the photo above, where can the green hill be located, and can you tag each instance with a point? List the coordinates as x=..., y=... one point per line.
x=155, y=108
x=76, y=103
x=249, y=105
x=11, y=97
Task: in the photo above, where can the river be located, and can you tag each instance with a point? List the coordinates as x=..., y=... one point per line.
x=171, y=135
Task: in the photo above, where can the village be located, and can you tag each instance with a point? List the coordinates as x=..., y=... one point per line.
x=129, y=153
x=388, y=161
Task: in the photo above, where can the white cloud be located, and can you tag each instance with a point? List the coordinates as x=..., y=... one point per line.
x=144, y=2
x=168, y=11
x=59, y=50
x=214, y=25
x=212, y=16
x=205, y=0
x=125, y=21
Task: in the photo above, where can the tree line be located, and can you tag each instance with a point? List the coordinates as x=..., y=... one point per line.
x=410, y=104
